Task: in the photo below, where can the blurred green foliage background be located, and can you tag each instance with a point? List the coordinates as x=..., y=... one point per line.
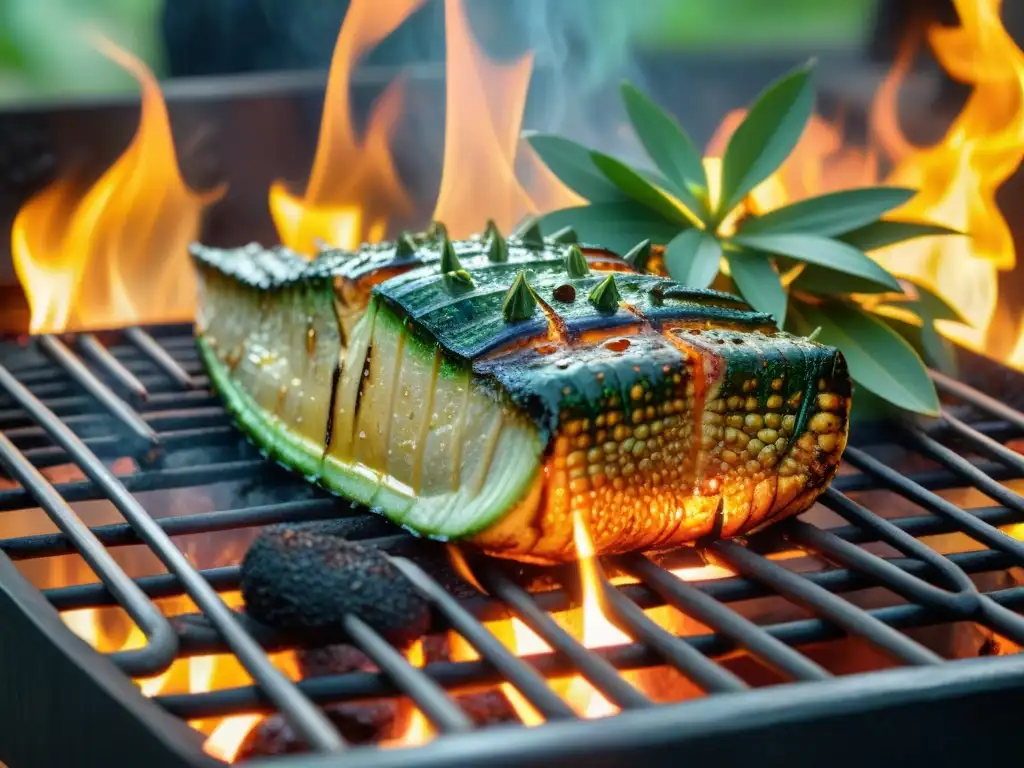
x=44, y=49
x=44, y=53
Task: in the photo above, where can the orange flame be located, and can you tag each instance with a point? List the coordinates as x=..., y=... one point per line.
x=199, y=674
x=484, y=104
x=957, y=178
x=353, y=187
x=116, y=254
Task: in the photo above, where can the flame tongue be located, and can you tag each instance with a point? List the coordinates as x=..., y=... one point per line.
x=116, y=254
x=959, y=176
x=484, y=105
x=353, y=186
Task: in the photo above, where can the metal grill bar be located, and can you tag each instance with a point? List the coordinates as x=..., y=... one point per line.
x=985, y=534
x=596, y=670
x=939, y=589
x=693, y=602
x=114, y=368
x=159, y=355
x=161, y=642
x=852, y=619
x=307, y=719
x=428, y=695
x=129, y=419
x=525, y=679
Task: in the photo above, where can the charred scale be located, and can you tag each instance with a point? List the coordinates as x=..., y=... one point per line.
x=662, y=414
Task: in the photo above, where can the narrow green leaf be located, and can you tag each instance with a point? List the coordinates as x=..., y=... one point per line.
x=635, y=186
x=823, y=281
x=766, y=136
x=936, y=307
x=886, y=232
x=759, y=283
x=572, y=164
x=938, y=350
x=616, y=226
x=934, y=348
x=693, y=258
x=831, y=214
x=823, y=251
x=671, y=149
x=880, y=359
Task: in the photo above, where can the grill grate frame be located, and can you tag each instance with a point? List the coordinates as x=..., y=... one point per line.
x=141, y=392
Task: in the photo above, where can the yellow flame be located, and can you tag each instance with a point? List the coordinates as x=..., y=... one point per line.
x=116, y=254
x=484, y=104
x=353, y=188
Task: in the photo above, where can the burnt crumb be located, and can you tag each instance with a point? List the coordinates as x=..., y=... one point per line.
x=294, y=579
x=487, y=708
x=337, y=659
x=357, y=722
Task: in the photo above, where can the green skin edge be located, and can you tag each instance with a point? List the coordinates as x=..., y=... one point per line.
x=300, y=455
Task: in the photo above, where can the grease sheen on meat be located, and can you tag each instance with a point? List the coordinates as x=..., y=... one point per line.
x=661, y=414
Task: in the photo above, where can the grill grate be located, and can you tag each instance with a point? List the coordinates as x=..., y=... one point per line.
x=89, y=399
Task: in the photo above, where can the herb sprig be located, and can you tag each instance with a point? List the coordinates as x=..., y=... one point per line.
x=805, y=263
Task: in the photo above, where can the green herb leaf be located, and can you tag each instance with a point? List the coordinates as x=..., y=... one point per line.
x=823, y=281
x=671, y=149
x=638, y=188
x=885, y=232
x=693, y=258
x=936, y=306
x=766, y=136
x=929, y=306
x=936, y=350
x=815, y=249
x=617, y=226
x=573, y=165
x=880, y=359
x=831, y=214
x=759, y=283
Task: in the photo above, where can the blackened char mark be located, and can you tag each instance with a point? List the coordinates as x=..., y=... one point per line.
x=333, y=397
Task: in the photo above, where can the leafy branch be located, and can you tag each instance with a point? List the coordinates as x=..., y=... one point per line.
x=805, y=263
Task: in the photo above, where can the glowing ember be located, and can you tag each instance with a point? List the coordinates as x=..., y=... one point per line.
x=353, y=188
x=116, y=254
x=195, y=675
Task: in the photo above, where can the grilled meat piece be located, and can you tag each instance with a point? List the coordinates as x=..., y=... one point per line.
x=489, y=394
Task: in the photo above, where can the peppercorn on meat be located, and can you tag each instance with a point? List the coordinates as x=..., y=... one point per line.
x=488, y=390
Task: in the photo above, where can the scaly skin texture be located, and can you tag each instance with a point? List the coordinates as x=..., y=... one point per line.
x=659, y=414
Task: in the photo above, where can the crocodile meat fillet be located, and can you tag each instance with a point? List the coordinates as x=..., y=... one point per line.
x=528, y=383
